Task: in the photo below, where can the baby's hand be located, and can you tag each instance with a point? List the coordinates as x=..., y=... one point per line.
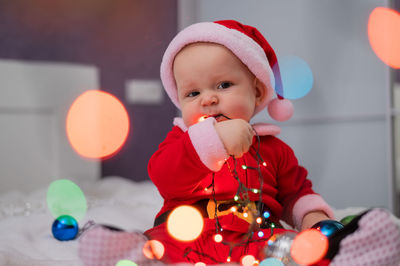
x=312, y=218
x=236, y=135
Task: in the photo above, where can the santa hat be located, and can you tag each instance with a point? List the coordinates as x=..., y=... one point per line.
x=248, y=44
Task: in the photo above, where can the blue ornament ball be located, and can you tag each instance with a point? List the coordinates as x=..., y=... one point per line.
x=328, y=227
x=65, y=228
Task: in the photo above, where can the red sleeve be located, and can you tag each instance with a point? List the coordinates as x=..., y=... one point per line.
x=175, y=168
x=292, y=181
x=295, y=190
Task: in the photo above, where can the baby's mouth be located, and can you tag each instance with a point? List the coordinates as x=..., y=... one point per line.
x=218, y=117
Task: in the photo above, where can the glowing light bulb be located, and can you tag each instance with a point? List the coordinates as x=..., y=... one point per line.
x=153, y=249
x=383, y=35
x=228, y=259
x=271, y=240
x=266, y=215
x=255, y=190
x=218, y=238
x=64, y=197
x=309, y=247
x=296, y=75
x=125, y=263
x=201, y=119
x=234, y=208
x=260, y=234
x=185, y=223
x=259, y=220
x=236, y=198
x=244, y=167
x=271, y=262
x=245, y=214
x=97, y=125
x=248, y=260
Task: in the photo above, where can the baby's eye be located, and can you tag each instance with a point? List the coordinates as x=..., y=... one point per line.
x=192, y=94
x=224, y=85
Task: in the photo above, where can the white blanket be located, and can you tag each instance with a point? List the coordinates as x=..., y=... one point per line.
x=25, y=221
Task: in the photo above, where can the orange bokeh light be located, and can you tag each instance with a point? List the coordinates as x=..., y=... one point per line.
x=185, y=223
x=309, y=247
x=97, y=124
x=153, y=249
x=384, y=35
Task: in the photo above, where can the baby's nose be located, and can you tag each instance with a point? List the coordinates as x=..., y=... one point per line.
x=209, y=99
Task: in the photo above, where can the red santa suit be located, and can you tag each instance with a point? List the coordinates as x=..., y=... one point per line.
x=189, y=160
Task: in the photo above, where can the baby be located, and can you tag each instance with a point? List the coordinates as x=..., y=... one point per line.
x=220, y=74
x=240, y=177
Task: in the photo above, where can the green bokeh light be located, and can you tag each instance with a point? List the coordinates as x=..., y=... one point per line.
x=125, y=263
x=64, y=197
x=348, y=219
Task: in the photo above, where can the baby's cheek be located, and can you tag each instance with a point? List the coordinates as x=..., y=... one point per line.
x=189, y=118
x=186, y=121
x=243, y=112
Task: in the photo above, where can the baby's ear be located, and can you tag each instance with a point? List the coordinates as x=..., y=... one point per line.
x=261, y=91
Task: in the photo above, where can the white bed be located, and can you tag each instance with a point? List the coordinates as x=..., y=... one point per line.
x=25, y=221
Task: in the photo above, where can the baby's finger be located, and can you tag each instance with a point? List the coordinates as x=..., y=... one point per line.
x=251, y=130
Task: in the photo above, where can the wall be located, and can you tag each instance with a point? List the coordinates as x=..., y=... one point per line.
x=341, y=129
x=123, y=39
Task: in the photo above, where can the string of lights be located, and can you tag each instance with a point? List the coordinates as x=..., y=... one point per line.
x=258, y=215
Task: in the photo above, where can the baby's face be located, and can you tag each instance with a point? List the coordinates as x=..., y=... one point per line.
x=212, y=81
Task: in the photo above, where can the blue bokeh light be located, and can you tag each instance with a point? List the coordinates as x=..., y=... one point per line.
x=296, y=75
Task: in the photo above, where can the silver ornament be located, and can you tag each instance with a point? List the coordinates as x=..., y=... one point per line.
x=278, y=247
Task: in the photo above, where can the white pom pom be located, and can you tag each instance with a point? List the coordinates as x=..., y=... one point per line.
x=280, y=109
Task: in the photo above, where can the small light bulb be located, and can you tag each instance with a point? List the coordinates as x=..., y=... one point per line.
x=201, y=119
x=259, y=220
x=245, y=214
x=228, y=259
x=233, y=209
x=236, y=198
x=260, y=234
x=244, y=167
x=255, y=190
x=218, y=238
x=264, y=164
x=266, y=215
